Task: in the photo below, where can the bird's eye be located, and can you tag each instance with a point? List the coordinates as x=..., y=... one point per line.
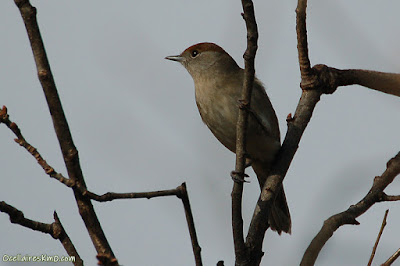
x=194, y=53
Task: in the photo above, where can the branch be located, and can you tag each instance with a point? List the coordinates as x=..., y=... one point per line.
x=332, y=78
x=180, y=192
x=302, y=44
x=241, y=130
x=378, y=238
x=183, y=195
x=5, y=119
x=349, y=216
x=55, y=229
x=390, y=197
x=69, y=151
x=384, y=82
x=312, y=91
x=392, y=258
x=110, y=196
x=314, y=82
x=380, y=81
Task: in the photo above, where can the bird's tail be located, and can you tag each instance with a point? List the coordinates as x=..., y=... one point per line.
x=279, y=216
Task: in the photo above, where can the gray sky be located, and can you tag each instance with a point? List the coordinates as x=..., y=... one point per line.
x=135, y=123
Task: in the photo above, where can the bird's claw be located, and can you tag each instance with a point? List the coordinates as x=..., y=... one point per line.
x=239, y=177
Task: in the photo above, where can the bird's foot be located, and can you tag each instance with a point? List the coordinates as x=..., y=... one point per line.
x=239, y=177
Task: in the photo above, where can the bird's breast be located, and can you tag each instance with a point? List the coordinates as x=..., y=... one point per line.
x=219, y=112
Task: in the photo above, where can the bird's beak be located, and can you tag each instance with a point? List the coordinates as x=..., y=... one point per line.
x=176, y=58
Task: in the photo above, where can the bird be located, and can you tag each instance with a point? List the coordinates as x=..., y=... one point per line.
x=218, y=82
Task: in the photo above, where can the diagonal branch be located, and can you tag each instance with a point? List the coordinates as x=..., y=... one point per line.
x=183, y=195
x=69, y=151
x=392, y=258
x=311, y=94
x=378, y=238
x=55, y=229
x=5, y=119
x=349, y=216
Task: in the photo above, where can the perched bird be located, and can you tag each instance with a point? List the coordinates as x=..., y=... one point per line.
x=218, y=82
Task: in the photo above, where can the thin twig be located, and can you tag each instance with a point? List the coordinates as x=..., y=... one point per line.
x=183, y=195
x=5, y=119
x=392, y=258
x=109, y=196
x=69, y=151
x=349, y=216
x=378, y=238
x=180, y=192
x=241, y=130
x=390, y=197
x=55, y=229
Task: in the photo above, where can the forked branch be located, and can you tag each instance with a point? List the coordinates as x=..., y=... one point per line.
x=69, y=151
x=374, y=195
x=55, y=229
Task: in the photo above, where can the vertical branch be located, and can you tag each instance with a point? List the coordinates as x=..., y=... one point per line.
x=237, y=191
x=69, y=151
x=302, y=44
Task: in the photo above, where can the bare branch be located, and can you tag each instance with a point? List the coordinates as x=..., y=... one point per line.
x=69, y=151
x=55, y=229
x=390, y=197
x=392, y=258
x=5, y=118
x=296, y=125
x=378, y=238
x=314, y=81
x=241, y=129
x=349, y=216
x=180, y=192
x=332, y=78
x=183, y=195
x=380, y=81
x=109, y=196
x=302, y=44
x=106, y=259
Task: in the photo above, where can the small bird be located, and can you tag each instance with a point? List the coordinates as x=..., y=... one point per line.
x=218, y=82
